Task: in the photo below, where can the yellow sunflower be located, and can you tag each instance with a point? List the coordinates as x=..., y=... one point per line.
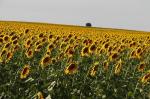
x=71, y=69
x=85, y=51
x=25, y=72
x=94, y=69
x=46, y=60
x=146, y=78
x=29, y=53
x=141, y=66
x=9, y=56
x=113, y=56
x=40, y=95
x=105, y=65
x=118, y=67
x=92, y=48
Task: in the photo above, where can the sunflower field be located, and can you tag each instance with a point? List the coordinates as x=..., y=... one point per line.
x=50, y=61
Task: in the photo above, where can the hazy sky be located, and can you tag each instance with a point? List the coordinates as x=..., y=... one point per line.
x=126, y=14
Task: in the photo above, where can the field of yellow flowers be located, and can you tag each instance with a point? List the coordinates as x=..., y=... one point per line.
x=49, y=61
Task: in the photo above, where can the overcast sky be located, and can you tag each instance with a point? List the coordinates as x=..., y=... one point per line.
x=125, y=14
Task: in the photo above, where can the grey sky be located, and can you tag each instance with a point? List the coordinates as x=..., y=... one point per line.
x=126, y=14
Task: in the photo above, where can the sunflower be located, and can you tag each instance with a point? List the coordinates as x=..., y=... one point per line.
x=15, y=42
x=51, y=38
x=92, y=48
x=40, y=95
x=90, y=41
x=16, y=47
x=3, y=52
x=62, y=45
x=37, y=43
x=109, y=49
x=25, y=71
x=1, y=40
x=27, y=43
x=54, y=60
x=118, y=67
x=85, y=51
x=14, y=37
x=70, y=51
x=133, y=44
x=29, y=53
x=121, y=48
x=9, y=56
x=50, y=47
x=70, y=35
x=71, y=69
x=139, y=50
x=141, y=66
x=38, y=48
x=133, y=54
x=7, y=45
x=105, y=65
x=113, y=56
x=146, y=78
x=85, y=42
x=41, y=35
x=48, y=52
x=46, y=60
x=94, y=69
x=102, y=50
x=6, y=38
x=60, y=56
x=106, y=45
x=115, y=47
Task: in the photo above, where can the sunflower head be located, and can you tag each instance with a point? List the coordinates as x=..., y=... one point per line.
x=51, y=47
x=62, y=45
x=1, y=40
x=94, y=69
x=6, y=38
x=38, y=47
x=70, y=51
x=71, y=69
x=133, y=54
x=139, y=50
x=146, y=78
x=106, y=45
x=27, y=43
x=141, y=66
x=15, y=42
x=110, y=49
x=29, y=53
x=54, y=60
x=9, y=56
x=105, y=65
x=4, y=51
x=118, y=67
x=46, y=60
x=113, y=56
x=41, y=35
x=85, y=42
x=92, y=48
x=25, y=72
x=85, y=51
x=16, y=47
x=14, y=37
x=7, y=45
x=40, y=95
x=133, y=44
